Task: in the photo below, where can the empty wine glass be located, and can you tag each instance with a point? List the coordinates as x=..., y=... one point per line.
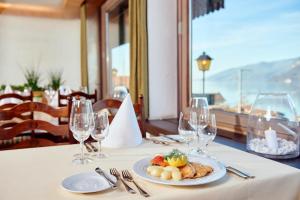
x=50, y=94
x=207, y=135
x=199, y=113
x=186, y=131
x=81, y=124
x=100, y=131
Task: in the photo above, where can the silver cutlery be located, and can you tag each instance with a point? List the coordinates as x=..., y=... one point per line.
x=102, y=173
x=88, y=148
x=155, y=141
x=127, y=177
x=114, y=172
x=93, y=147
x=239, y=172
x=170, y=138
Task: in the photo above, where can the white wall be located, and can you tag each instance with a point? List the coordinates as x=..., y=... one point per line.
x=162, y=32
x=50, y=44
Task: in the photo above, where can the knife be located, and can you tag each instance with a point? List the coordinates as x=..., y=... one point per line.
x=170, y=138
x=239, y=172
x=88, y=148
x=155, y=141
x=102, y=173
x=93, y=147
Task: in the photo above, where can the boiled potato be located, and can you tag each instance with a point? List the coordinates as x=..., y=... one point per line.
x=171, y=169
x=166, y=175
x=150, y=168
x=153, y=167
x=176, y=175
x=156, y=171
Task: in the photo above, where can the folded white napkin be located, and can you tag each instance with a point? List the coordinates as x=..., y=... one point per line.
x=8, y=89
x=124, y=130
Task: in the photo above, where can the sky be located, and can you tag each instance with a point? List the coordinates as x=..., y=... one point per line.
x=247, y=32
x=120, y=59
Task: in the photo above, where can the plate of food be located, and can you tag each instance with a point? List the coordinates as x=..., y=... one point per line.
x=178, y=169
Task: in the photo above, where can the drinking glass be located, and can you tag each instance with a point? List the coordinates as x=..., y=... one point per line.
x=100, y=131
x=199, y=112
x=186, y=131
x=50, y=94
x=81, y=124
x=207, y=135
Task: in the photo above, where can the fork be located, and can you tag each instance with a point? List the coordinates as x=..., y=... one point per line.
x=127, y=177
x=114, y=172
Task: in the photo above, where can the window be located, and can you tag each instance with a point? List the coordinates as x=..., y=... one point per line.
x=255, y=47
x=115, y=44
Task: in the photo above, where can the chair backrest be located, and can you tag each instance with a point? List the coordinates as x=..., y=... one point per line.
x=62, y=98
x=31, y=124
x=115, y=104
x=21, y=98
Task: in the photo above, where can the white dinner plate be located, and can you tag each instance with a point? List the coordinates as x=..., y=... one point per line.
x=140, y=168
x=86, y=183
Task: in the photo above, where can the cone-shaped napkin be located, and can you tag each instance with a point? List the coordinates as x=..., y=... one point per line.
x=8, y=89
x=124, y=130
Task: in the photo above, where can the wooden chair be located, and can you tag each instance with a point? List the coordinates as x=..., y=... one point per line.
x=114, y=104
x=63, y=100
x=15, y=96
x=8, y=106
x=36, y=139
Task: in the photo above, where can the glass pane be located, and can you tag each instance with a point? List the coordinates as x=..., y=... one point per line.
x=119, y=50
x=120, y=66
x=255, y=46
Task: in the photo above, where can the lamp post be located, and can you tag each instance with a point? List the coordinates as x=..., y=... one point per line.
x=203, y=63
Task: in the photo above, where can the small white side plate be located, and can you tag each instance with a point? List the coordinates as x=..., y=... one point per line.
x=86, y=183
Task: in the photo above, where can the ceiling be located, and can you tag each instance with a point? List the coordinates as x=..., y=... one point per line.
x=54, y=3
x=41, y=8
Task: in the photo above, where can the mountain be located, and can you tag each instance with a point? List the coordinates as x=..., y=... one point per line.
x=275, y=76
x=259, y=71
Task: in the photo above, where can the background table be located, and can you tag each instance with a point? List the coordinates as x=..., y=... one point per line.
x=37, y=174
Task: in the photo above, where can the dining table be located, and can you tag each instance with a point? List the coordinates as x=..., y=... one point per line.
x=37, y=174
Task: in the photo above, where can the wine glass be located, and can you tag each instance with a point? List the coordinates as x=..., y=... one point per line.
x=100, y=131
x=207, y=135
x=50, y=94
x=81, y=124
x=186, y=131
x=199, y=116
x=199, y=112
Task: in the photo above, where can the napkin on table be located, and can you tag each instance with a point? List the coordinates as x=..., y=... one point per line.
x=124, y=130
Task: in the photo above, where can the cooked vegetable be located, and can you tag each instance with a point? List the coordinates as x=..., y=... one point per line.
x=166, y=175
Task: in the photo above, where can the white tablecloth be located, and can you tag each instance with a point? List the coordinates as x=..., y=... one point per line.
x=36, y=174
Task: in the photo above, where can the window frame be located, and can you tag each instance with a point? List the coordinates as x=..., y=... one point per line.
x=106, y=74
x=232, y=124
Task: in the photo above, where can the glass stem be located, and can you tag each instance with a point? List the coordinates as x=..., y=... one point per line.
x=99, y=147
x=81, y=148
